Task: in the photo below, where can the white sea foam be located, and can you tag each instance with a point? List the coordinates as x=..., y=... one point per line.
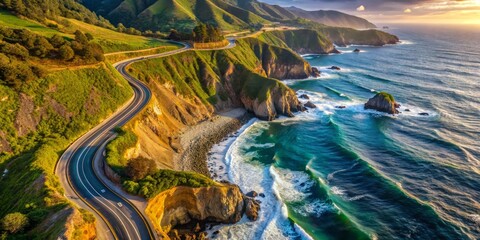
x=323, y=76
x=355, y=198
x=272, y=222
x=475, y=218
x=291, y=186
x=315, y=208
x=358, y=107
x=338, y=191
x=406, y=42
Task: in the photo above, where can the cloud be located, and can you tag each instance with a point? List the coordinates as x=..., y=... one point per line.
x=408, y=10
x=361, y=8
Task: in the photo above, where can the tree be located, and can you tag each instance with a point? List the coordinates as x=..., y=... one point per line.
x=200, y=33
x=140, y=167
x=89, y=36
x=121, y=28
x=57, y=40
x=14, y=222
x=80, y=37
x=42, y=47
x=66, y=52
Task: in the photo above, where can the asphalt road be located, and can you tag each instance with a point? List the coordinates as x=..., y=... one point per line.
x=120, y=218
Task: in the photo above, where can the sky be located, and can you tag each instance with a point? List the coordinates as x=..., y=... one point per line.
x=398, y=11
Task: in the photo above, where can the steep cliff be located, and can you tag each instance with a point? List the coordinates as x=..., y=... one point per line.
x=225, y=79
x=180, y=205
x=189, y=88
x=347, y=36
x=302, y=41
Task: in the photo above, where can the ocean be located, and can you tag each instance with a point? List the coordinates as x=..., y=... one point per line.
x=349, y=173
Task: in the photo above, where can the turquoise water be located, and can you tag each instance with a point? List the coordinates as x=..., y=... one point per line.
x=355, y=174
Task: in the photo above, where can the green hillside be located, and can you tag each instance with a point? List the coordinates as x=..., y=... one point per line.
x=38, y=122
x=303, y=41
x=267, y=11
x=182, y=15
x=333, y=18
x=54, y=86
x=111, y=41
x=43, y=11
x=196, y=73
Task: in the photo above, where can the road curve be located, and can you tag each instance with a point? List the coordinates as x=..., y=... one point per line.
x=120, y=218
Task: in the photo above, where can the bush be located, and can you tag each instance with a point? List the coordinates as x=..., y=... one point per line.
x=116, y=149
x=140, y=167
x=66, y=52
x=37, y=215
x=14, y=222
x=165, y=179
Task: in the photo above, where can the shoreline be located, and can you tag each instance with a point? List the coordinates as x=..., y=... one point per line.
x=198, y=140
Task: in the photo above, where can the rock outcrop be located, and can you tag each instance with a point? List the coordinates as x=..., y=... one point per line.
x=315, y=72
x=309, y=104
x=304, y=96
x=335, y=68
x=222, y=204
x=279, y=101
x=383, y=102
x=251, y=208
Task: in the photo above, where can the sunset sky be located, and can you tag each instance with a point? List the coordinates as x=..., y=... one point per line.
x=398, y=11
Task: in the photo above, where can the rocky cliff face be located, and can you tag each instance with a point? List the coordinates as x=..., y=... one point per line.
x=280, y=101
x=190, y=87
x=276, y=69
x=383, y=102
x=180, y=205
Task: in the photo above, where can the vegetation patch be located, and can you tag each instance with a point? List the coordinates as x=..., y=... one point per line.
x=116, y=150
x=387, y=96
x=164, y=179
x=298, y=40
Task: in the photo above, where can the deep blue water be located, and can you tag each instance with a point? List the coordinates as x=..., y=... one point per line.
x=356, y=174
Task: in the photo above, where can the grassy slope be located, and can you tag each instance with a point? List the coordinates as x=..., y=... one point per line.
x=64, y=104
x=9, y=20
x=181, y=14
x=87, y=95
x=187, y=71
x=346, y=36
x=110, y=40
x=298, y=39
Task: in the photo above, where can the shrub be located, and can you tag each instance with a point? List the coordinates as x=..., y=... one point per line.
x=14, y=222
x=165, y=179
x=66, y=52
x=116, y=149
x=140, y=167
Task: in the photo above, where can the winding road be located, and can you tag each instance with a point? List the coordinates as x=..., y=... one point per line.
x=120, y=219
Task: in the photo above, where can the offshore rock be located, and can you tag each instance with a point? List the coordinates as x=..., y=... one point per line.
x=383, y=102
x=310, y=105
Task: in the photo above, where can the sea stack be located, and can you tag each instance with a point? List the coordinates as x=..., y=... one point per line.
x=315, y=72
x=383, y=102
x=335, y=68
